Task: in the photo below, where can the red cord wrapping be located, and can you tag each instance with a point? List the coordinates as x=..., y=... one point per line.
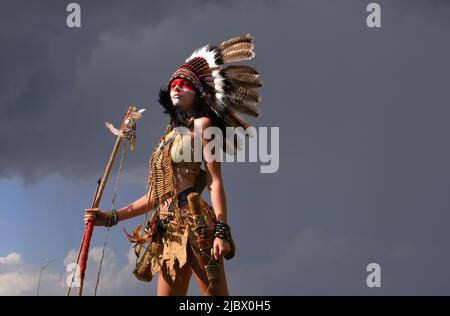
x=85, y=248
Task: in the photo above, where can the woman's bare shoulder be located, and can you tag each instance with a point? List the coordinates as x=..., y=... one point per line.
x=203, y=122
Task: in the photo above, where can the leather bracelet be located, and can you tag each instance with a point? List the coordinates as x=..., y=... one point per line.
x=222, y=230
x=112, y=218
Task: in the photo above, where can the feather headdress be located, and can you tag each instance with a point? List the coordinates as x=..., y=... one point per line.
x=231, y=90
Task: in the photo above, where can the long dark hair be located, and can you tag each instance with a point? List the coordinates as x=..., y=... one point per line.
x=199, y=109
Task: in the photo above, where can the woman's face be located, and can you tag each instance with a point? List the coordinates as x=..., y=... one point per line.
x=182, y=93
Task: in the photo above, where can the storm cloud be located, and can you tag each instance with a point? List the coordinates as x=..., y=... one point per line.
x=363, y=116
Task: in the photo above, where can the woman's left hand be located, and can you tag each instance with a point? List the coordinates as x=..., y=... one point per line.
x=220, y=247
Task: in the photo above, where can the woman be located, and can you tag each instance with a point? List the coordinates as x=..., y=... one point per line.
x=185, y=235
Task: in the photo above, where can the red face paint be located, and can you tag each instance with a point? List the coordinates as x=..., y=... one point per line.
x=182, y=83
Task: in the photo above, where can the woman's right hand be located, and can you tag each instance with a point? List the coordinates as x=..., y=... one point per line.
x=95, y=214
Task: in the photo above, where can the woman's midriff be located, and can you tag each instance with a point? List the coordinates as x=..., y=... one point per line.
x=181, y=183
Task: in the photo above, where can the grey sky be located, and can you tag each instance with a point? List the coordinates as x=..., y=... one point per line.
x=363, y=116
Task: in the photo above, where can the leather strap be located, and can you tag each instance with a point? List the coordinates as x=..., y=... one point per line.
x=182, y=196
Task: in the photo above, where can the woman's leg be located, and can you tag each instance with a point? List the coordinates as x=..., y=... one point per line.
x=167, y=287
x=220, y=289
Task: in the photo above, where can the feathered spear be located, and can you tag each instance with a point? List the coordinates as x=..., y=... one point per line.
x=127, y=131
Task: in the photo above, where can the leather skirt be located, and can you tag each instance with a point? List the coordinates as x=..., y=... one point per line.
x=168, y=243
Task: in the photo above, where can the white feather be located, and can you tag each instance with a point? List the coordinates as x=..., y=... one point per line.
x=205, y=53
x=218, y=84
x=113, y=130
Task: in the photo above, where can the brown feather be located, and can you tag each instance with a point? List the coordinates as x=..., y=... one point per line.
x=236, y=119
x=240, y=69
x=245, y=94
x=235, y=40
x=238, y=46
x=246, y=79
x=244, y=107
x=237, y=55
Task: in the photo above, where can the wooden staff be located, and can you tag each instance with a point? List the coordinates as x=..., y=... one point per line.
x=86, y=240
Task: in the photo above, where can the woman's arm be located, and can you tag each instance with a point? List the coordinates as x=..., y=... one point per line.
x=213, y=175
x=136, y=208
x=216, y=190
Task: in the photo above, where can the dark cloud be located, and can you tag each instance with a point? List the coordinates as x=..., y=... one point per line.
x=49, y=113
x=362, y=114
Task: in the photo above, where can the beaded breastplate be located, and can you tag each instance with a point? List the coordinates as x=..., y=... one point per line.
x=163, y=170
x=161, y=179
